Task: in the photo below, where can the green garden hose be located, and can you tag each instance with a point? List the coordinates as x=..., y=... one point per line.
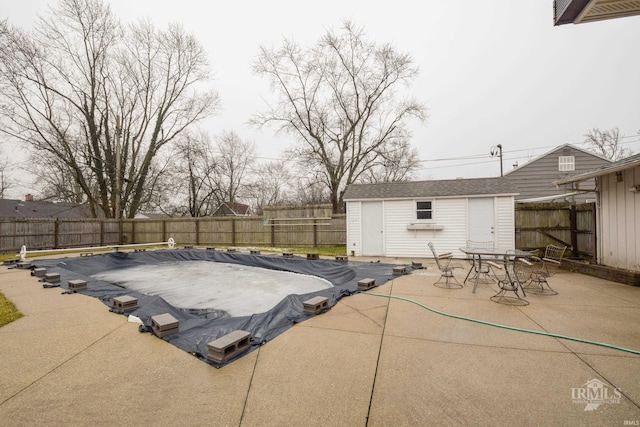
x=513, y=328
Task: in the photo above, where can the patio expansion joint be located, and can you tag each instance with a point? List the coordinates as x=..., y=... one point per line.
x=246, y=396
x=341, y=330
x=561, y=341
x=609, y=381
x=63, y=363
x=578, y=356
x=375, y=374
x=363, y=313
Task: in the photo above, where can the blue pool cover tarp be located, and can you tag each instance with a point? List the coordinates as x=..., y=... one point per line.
x=198, y=328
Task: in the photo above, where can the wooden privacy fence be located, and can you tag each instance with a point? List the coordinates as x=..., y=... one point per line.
x=239, y=231
x=537, y=225
x=49, y=233
x=562, y=224
x=226, y=231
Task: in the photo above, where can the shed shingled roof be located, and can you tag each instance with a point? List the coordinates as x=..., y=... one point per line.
x=435, y=188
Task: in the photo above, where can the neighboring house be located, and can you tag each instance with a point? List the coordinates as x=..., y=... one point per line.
x=398, y=219
x=151, y=215
x=232, y=209
x=580, y=11
x=534, y=180
x=618, y=207
x=29, y=208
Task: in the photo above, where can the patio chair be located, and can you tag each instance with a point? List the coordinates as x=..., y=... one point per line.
x=543, y=269
x=446, y=267
x=510, y=276
x=479, y=269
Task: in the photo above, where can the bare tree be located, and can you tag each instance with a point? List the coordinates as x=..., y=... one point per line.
x=69, y=82
x=194, y=168
x=341, y=100
x=235, y=159
x=398, y=163
x=606, y=143
x=270, y=186
x=61, y=186
x=310, y=190
x=204, y=174
x=5, y=182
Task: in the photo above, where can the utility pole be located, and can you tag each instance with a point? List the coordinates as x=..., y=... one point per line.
x=497, y=150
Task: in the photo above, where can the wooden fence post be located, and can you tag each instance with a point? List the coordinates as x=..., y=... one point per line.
x=164, y=230
x=101, y=232
x=233, y=232
x=273, y=234
x=197, y=232
x=573, y=226
x=56, y=232
x=315, y=235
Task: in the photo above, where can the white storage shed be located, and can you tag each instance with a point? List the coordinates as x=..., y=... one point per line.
x=398, y=219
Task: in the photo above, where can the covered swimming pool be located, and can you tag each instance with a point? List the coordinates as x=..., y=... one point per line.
x=213, y=293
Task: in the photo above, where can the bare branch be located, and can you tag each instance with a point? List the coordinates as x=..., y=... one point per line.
x=606, y=143
x=341, y=100
x=66, y=83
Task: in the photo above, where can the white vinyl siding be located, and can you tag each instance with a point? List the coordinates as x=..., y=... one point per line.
x=505, y=222
x=619, y=225
x=354, y=228
x=400, y=242
x=397, y=214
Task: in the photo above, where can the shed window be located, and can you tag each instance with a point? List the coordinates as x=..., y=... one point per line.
x=566, y=163
x=424, y=210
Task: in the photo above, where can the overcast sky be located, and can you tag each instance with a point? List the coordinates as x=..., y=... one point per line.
x=491, y=72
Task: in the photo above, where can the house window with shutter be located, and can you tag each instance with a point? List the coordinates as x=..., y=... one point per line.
x=424, y=210
x=566, y=163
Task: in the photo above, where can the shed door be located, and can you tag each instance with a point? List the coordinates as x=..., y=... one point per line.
x=481, y=220
x=372, y=236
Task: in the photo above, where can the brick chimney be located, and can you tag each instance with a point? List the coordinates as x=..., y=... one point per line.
x=28, y=198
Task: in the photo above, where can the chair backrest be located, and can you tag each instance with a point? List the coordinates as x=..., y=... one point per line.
x=506, y=264
x=433, y=250
x=480, y=245
x=435, y=255
x=555, y=252
x=522, y=269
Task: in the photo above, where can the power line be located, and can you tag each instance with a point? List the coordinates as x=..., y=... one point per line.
x=487, y=156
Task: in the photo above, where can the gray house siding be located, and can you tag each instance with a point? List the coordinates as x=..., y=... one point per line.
x=535, y=179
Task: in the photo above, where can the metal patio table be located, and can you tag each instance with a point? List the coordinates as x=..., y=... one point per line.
x=493, y=253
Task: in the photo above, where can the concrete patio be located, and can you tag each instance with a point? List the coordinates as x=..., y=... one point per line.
x=370, y=360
